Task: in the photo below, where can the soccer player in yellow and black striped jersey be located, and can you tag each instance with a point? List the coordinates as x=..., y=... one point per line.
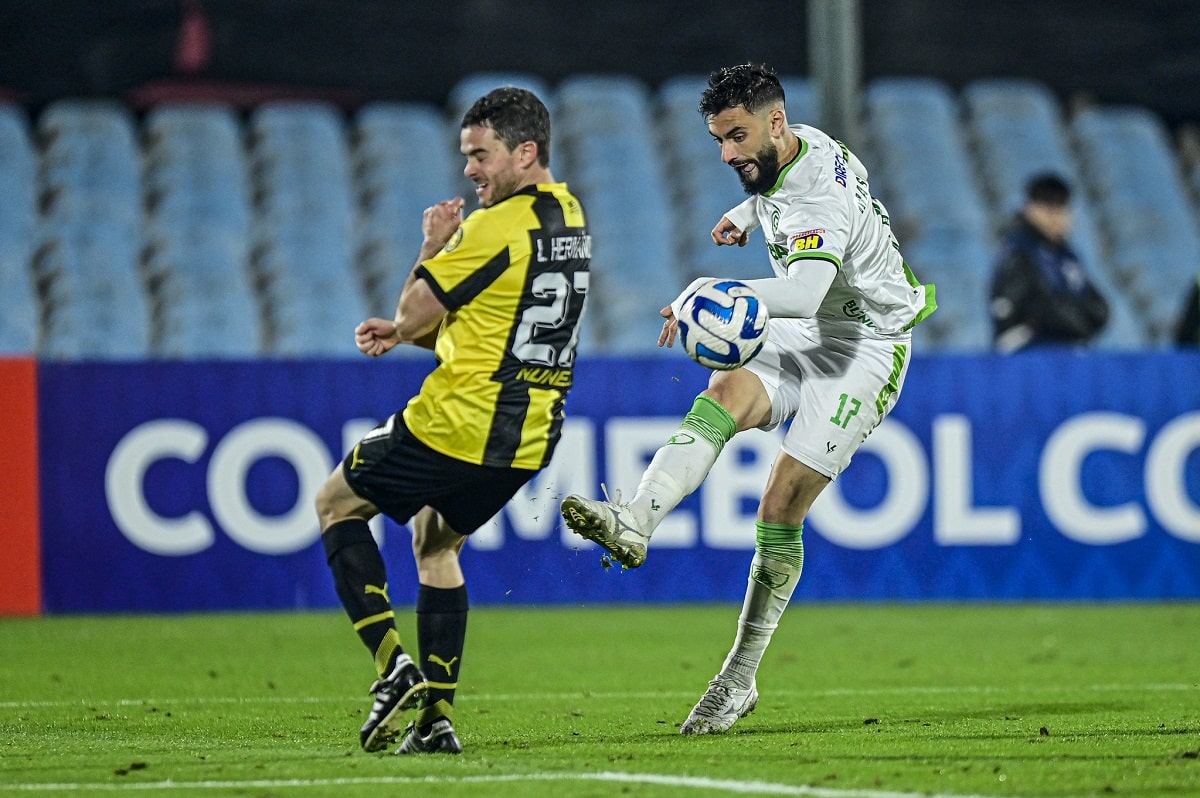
x=499, y=296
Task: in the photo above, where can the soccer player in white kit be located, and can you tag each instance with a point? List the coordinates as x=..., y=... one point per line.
x=842, y=306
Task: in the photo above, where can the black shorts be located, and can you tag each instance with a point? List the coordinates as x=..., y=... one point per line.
x=397, y=473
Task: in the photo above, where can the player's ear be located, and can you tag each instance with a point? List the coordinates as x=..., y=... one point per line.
x=778, y=120
x=527, y=154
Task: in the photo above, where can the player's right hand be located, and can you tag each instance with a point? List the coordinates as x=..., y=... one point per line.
x=670, y=327
x=726, y=234
x=373, y=337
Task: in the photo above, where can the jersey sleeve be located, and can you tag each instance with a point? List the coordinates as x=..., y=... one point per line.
x=744, y=216
x=475, y=253
x=817, y=228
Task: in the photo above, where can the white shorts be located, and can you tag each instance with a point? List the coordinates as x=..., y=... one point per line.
x=835, y=390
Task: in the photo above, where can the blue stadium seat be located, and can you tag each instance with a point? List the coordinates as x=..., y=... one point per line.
x=200, y=233
x=301, y=166
x=196, y=173
x=471, y=87
x=603, y=126
x=20, y=320
x=802, y=100
x=1145, y=214
x=90, y=232
x=405, y=159
x=311, y=295
x=1019, y=132
x=702, y=188
x=90, y=165
x=958, y=264
x=198, y=228
x=18, y=175
x=920, y=169
x=305, y=221
x=919, y=165
x=204, y=304
x=95, y=305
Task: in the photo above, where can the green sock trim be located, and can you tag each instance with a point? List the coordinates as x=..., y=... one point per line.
x=710, y=421
x=781, y=542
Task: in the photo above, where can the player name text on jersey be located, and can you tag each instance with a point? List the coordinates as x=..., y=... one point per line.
x=564, y=248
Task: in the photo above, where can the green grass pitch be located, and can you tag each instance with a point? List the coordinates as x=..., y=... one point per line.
x=858, y=701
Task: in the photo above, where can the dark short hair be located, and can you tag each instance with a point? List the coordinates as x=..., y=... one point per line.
x=752, y=86
x=516, y=116
x=1048, y=189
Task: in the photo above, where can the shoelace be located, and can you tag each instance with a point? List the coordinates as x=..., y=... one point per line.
x=609, y=499
x=715, y=699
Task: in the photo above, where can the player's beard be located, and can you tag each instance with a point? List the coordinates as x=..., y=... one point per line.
x=766, y=172
x=503, y=185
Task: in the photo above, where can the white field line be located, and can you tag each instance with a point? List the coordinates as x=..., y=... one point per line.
x=725, y=786
x=618, y=696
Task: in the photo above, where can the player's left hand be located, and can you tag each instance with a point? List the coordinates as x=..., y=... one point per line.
x=440, y=220
x=670, y=327
x=726, y=234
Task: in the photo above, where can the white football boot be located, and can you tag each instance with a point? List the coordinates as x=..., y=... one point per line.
x=608, y=523
x=720, y=707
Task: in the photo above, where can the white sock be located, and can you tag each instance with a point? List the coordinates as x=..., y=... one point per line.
x=676, y=471
x=682, y=463
x=774, y=574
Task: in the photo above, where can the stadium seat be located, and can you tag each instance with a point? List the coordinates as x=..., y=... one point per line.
x=958, y=264
x=218, y=234
x=94, y=304
x=198, y=226
x=304, y=224
x=301, y=166
x=802, y=100
x=1146, y=216
x=919, y=166
x=604, y=124
x=471, y=87
x=920, y=169
x=1018, y=131
x=20, y=320
x=89, y=167
x=701, y=187
x=195, y=168
x=203, y=302
x=405, y=158
x=90, y=232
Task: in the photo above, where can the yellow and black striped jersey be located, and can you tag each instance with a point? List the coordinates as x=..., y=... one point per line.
x=514, y=278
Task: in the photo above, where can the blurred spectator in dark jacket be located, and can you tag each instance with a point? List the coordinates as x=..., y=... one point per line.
x=1041, y=294
x=1187, y=332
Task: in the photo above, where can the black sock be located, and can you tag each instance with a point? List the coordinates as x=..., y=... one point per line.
x=361, y=583
x=441, y=632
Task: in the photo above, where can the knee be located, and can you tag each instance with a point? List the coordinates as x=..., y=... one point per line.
x=786, y=510
x=427, y=550
x=323, y=502
x=432, y=538
x=335, y=502
x=742, y=395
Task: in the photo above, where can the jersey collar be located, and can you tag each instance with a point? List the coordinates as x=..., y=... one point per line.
x=788, y=167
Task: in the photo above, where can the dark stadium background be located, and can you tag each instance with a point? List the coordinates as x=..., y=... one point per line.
x=1116, y=51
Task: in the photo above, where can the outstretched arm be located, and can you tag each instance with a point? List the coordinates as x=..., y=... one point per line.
x=796, y=296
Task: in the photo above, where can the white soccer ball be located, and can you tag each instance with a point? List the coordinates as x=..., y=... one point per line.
x=723, y=324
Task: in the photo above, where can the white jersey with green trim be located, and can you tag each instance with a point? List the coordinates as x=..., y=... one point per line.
x=821, y=208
